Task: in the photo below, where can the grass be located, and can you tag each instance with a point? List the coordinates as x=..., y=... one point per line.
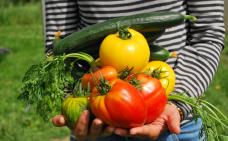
x=21, y=32
x=217, y=92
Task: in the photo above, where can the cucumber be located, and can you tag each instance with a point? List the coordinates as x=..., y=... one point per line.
x=91, y=36
x=158, y=53
x=152, y=36
x=93, y=50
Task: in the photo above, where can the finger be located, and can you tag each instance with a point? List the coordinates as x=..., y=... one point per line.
x=173, y=122
x=150, y=130
x=108, y=131
x=96, y=128
x=59, y=120
x=81, y=128
x=122, y=132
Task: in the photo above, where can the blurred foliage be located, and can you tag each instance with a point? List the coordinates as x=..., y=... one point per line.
x=6, y=3
x=225, y=51
x=19, y=15
x=21, y=31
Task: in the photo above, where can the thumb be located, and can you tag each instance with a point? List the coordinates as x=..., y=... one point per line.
x=59, y=120
x=173, y=122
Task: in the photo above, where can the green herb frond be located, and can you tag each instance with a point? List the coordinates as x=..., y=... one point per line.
x=212, y=118
x=79, y=91
x=44, y=85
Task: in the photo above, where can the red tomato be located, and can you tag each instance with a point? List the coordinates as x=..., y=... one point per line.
x=153, y=94
x=93, y=78
x=122, y=106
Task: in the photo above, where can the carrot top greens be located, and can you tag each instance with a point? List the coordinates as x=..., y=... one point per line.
x=45, y=85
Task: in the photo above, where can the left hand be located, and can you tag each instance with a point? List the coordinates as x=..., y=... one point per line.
x=82, y=130
x=170, y=119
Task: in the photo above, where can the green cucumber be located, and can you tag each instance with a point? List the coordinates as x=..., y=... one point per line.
x=91, y=36
x=158, y=53
x=152, y=36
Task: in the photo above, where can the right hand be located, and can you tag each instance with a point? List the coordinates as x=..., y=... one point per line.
x=82, y=130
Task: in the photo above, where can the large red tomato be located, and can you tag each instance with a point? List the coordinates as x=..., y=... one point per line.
x=152, y=92
x=121, y=106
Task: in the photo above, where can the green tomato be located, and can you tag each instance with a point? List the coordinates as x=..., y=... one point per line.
x=72, y=108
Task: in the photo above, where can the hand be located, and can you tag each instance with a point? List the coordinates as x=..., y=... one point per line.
x=170, y=119
x=82, y=130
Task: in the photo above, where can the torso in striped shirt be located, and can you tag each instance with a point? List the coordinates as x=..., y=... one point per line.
x=198, y=45
x=94, y=11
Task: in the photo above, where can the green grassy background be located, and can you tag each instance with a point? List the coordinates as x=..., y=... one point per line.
x=21, y=32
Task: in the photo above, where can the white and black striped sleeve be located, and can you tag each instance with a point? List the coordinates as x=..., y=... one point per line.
x=59, y=15
x=198, y=61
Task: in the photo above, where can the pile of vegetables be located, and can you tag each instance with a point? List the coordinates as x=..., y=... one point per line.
x=128, y=74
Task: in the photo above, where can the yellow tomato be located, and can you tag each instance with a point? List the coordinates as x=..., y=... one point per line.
x=120, y=53
x=163, y=72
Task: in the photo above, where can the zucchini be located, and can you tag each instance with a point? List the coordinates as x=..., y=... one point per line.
x=158, y=53
x=91, y=36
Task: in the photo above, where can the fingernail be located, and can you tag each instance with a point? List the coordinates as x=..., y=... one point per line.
x=86, y=112
x=118, y=132
x=85, y=115
x=133, y=132
x=98, y=122
x=110, y=129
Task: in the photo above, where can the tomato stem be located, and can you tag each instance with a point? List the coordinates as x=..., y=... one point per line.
x=135, y=82
x=125, y=73
x=157, y=73
x=124, y=33
x=103, y=87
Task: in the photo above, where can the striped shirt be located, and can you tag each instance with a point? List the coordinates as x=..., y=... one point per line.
x=198, y=45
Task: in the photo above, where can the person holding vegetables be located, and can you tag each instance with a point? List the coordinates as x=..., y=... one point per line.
x=198, y=46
